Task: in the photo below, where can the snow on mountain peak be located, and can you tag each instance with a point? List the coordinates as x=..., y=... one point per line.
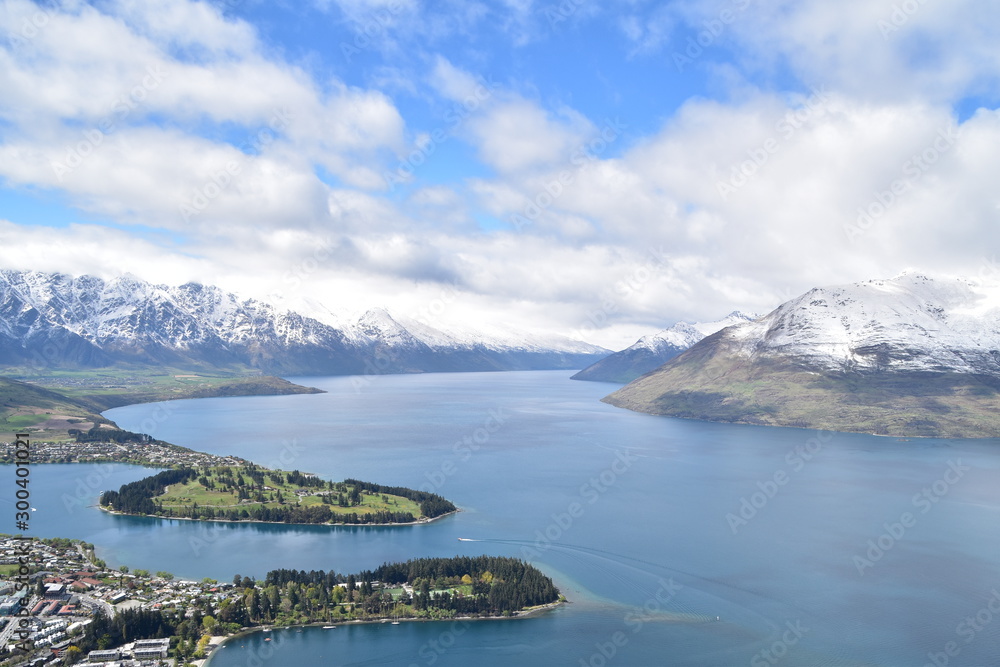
x=683, y=335
x=912, y=322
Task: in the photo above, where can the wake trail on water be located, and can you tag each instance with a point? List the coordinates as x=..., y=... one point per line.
x=684, y=606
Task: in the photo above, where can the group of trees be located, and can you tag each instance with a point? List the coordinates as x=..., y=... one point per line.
x=98, y=434
x=311, y=514
x=126, y=626
x=480, y=586
x=431, y=504
x=500, y=584
x=250, y=483
x=137, y=497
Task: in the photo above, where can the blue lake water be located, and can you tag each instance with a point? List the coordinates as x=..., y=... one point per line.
x=678, y=542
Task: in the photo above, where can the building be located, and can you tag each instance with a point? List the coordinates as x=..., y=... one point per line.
x=151, y=649
x=9, y=605
x=107, y=655
x=55, y=591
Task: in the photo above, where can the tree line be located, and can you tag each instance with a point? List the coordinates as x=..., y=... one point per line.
x=431, y=504
x=473, y=586
x=137, y=497
x=248, y=484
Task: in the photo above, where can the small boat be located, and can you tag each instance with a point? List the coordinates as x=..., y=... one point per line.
x=267, y=639
x=465, y=539
x=329, y=627
x=395, y=622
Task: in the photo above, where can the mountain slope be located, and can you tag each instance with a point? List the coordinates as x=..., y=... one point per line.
x=912, y=356
x=54, y=320
x=651, y=352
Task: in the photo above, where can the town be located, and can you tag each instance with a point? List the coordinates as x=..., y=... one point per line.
x=74, y=610
x=43, y=623
x=152, y=453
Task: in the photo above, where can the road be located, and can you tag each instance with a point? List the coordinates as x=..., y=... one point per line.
x=13, y=624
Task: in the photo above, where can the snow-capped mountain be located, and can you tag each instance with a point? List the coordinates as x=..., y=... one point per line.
x=650, y=352
x=909, y=323
x=912, y=355
x=49, y=319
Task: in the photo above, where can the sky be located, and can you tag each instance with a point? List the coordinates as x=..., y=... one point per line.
x=596, y=169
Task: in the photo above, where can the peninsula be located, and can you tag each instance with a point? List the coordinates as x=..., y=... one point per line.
x=250, y=492
x=70, y=603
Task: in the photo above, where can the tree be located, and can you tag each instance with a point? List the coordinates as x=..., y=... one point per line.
x=72, y=655
x=209, y=622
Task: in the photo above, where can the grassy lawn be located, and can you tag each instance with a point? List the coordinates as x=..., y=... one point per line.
x=19, y=422
x=184, y=495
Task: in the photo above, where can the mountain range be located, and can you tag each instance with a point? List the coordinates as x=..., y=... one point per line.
x=56, y=320
x=909, y=356
x=650, y=352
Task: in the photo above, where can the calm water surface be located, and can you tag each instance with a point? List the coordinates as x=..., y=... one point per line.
x=678, y=542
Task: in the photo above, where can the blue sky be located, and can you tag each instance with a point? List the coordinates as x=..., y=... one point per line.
x=600, y=170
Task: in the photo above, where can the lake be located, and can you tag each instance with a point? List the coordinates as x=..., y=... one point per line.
x=677, y=542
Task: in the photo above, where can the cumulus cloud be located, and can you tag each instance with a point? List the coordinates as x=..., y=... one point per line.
x=199, y=154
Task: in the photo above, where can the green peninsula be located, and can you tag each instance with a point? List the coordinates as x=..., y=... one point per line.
x=252, y=493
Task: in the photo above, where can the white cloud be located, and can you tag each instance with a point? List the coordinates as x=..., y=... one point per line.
x=520, y=135
x=738, y=202
x=878, y=50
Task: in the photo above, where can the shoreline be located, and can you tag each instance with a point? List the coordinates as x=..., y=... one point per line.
x=245, y=632
x=418, y=522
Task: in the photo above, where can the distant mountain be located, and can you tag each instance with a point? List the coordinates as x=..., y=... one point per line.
x=55, y=320
x=650, y=352
x=911, y=356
